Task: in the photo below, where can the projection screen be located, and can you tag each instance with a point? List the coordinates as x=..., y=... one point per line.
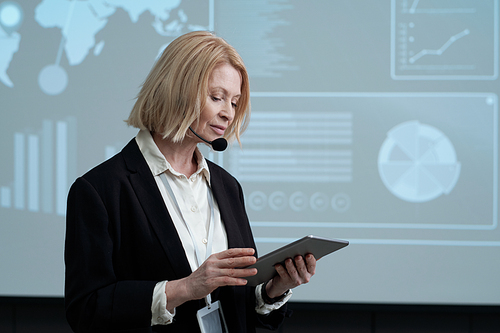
x=374, y=122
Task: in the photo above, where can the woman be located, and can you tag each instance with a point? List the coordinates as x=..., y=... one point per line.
x=157, y=232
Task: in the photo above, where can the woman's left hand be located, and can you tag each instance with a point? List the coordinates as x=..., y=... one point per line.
x=294, y=273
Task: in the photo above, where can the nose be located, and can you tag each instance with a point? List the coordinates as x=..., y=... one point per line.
x=227, y=112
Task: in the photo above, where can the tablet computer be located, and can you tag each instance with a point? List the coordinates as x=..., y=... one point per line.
x=318, y=246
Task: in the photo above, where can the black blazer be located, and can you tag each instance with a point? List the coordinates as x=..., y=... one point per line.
x=121, y=241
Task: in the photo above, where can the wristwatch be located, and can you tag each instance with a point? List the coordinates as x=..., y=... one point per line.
x=269, y=300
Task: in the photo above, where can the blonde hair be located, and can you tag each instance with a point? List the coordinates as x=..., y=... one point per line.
x=176, y=88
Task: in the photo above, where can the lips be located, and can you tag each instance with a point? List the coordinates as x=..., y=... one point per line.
x=218, y=129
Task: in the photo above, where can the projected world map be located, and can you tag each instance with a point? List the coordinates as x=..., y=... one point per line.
x=79, y=22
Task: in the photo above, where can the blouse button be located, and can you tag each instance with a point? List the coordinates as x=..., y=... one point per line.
x=193, y=209
x=204, y=241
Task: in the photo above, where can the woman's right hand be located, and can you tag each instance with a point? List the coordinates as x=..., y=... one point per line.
x=220, y=269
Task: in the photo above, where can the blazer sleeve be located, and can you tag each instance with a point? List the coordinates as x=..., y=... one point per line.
x=95, y=300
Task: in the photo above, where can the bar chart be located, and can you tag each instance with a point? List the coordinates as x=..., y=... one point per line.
x=44, y=165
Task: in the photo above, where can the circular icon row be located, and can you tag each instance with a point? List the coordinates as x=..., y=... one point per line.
x=298, y=201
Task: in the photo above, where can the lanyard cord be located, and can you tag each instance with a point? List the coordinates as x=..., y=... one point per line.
x=211, y=227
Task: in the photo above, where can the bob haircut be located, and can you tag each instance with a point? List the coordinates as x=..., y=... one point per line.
x=176, y=89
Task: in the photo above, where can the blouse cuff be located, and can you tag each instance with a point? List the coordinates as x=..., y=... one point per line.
x=160, y=314
x=262, y=307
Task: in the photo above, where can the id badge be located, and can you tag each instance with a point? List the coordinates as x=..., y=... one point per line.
x=211, y=320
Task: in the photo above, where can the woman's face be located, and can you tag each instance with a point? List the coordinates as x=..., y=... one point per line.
x=224, y=90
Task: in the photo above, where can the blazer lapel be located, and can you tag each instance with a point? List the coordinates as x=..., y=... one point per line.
x=234, y=237
x=154, y=207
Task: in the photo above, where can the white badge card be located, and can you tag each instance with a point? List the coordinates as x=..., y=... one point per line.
x=211, y=319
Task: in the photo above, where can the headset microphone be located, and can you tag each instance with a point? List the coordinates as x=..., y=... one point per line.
x=219, y=144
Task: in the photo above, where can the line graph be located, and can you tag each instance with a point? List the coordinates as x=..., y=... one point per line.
x=443, y=48
x=444, y=39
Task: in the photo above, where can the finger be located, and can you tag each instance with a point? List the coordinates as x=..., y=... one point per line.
x=220, y=278
x=311, y=264
x=236, y=252
x=228, y=281
x=233, y=276
x=282, y=272
x=238, y=262
x=301, y=268
x=238, y=272
x=291, y=269
x=216, y=272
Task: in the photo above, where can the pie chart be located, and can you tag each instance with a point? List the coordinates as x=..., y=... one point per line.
x=417, y=162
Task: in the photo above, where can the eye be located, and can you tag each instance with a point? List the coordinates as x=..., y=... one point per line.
x=234, y=105
x=215, y=99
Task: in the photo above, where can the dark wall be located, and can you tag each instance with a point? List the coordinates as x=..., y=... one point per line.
x=32, y=315
x=28, y=315
x=340, y=318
